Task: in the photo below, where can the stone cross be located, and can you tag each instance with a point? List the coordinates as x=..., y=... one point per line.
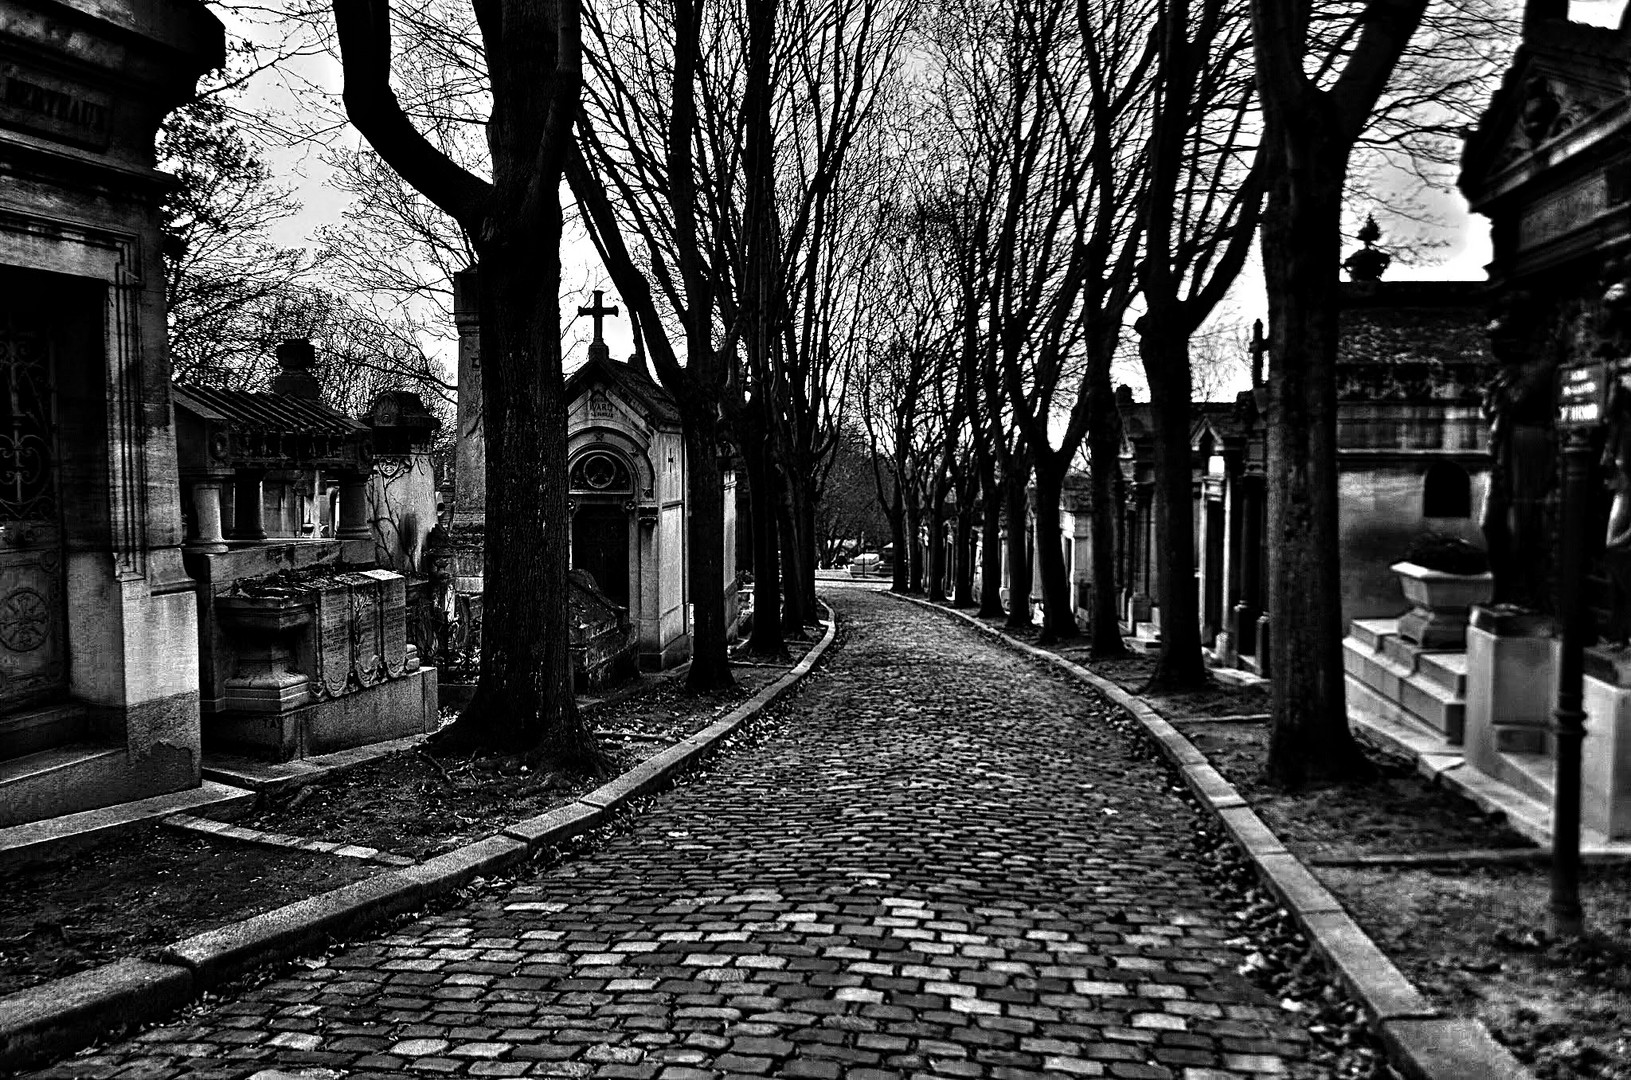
x=598, y=310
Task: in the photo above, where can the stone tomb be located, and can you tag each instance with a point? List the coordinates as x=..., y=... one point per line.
x=303, y=637
x=1548, y=166
x=98, y=622
x=627, y=479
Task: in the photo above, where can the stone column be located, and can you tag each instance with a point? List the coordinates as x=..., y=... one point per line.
x=207, y=534
x=248, y=505
x=470, y=447
x=1250, y=559
x=354, y=509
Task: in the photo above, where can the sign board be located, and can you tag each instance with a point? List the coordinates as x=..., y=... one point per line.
x=1582, y=395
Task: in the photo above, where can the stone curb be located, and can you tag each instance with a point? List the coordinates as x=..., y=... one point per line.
x=60, y=1016
x=1420, y=1042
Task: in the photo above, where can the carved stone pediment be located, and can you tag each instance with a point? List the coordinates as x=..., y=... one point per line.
x=1564, y=76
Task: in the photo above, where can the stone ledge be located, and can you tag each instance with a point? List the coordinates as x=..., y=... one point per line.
x=35, y=1023
x=50, y=836
x=457, y=868
x=1448, y=1049
x=1418, y=1041
x=216, y=956
x=553, y=826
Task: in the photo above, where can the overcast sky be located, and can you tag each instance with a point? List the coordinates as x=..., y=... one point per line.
x=1464, y=257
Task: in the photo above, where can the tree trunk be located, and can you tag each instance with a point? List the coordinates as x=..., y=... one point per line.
x=898, y=568
x=1104, y=450
x=1180, y=665
x=794, y=615
x=808, y=549
x=990, y=542
x=1301, y=245
x=914, y=545
x=705, y=560
x=1019, y=548
x=962, y=590
x=766, y=639
x=937, y=543
x=524, y=699
x=1058, y=622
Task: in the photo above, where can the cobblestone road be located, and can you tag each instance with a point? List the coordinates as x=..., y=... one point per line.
x=944, y=863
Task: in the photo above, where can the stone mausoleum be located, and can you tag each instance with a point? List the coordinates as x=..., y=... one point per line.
x=628, y=479
x=1412, y=458
x=180, y=568
x=99, y=699
x=304, y=626
x=1550, y=166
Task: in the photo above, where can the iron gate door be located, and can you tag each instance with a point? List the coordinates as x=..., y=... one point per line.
x=33, y=649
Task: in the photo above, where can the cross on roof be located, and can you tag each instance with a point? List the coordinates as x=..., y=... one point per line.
x=599, y=310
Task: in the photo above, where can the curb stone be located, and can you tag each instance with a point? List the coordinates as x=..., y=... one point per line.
x=57, y=1017
x=1419, y=1041
x=75, y=1009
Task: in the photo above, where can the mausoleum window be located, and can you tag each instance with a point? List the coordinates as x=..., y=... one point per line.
x=601, y=472
x=1446, y=491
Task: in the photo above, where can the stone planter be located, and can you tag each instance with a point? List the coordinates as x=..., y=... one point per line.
x=1439, y=602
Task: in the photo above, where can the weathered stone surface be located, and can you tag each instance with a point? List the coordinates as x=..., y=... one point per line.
x=84, y=1004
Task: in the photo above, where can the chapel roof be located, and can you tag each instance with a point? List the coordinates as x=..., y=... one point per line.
x=631, y=382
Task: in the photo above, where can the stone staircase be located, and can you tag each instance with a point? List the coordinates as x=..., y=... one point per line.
x=1391, y=678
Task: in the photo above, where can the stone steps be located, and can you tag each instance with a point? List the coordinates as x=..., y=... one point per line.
x=33, y=730
x=1428, y=686
x=54, y=781
x=1532, y=774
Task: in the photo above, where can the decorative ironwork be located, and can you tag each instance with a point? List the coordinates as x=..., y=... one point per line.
x=28, y=490
x=25, y=620
x=32, y=617
x=601, y=472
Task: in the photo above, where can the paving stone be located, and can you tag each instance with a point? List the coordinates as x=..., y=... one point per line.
x=913, y=874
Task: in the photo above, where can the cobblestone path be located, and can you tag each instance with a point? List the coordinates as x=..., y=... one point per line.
x=944, y=863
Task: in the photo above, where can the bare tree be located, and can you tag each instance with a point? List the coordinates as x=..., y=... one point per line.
x=532, y=54
x=1200, y=214
x=1314, y=110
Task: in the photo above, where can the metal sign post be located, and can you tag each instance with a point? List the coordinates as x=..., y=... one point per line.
x=1582, y=407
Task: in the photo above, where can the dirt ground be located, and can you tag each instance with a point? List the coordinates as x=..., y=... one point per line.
x=1470, y=936
x=142, y=890
x=147, y=887
x=416, y=805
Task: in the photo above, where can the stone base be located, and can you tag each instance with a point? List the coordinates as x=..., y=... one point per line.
x=1511, y=689
x=101, y=772
x=1436, y=628
x=1605, y=760
x=269, y=692
x=392, y=709
x=673, y=654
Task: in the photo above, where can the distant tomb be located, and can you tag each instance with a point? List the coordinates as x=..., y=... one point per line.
x=626, y=476
x=304, y=636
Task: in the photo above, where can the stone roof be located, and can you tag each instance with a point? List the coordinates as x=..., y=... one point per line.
x=249, y=410
x=631, y=382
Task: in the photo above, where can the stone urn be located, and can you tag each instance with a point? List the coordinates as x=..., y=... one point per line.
x=1440, y=603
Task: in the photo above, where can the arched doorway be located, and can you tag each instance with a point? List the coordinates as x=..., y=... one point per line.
x=602, y=486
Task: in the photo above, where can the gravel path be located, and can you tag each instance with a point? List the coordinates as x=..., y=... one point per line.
x=944, y=862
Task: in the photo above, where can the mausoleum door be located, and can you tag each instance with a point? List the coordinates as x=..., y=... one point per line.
x=33, y=649
x=600, y=545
